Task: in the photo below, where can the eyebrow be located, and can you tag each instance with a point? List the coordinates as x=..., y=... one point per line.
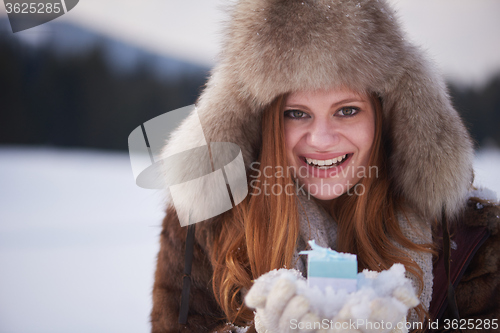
x=344, y=101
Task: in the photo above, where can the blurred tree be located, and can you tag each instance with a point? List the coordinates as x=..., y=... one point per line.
x=480, y=109
x=79, y=101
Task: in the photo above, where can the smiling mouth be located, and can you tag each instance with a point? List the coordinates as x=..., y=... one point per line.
x=326, y=164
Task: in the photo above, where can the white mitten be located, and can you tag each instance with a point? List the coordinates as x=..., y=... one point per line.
x=277, y=302
x=284, y=303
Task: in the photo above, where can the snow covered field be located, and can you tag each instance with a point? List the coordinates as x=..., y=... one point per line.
x=78, y=240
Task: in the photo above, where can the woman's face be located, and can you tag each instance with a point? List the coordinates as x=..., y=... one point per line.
x=328, y=137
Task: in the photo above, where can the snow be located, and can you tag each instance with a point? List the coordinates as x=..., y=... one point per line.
x=486, y=174
x=484, y=193
x=78, y=240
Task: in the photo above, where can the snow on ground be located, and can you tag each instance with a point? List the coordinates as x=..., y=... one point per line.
x=487, y=169
x=78, y=240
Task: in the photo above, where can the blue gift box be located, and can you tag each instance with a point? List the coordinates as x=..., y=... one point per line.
x=326, y=267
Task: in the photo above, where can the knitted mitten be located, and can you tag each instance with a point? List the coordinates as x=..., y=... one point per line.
x=284, y=303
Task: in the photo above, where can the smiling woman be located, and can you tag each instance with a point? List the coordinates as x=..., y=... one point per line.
x=326, y=89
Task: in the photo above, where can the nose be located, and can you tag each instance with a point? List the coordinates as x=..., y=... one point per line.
x=323, y=134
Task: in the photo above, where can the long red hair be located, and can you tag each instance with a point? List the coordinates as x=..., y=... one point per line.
x=260, y=234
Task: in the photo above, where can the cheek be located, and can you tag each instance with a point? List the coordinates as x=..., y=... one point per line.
x=363, y=136
x=292, y=138
x=366, y=140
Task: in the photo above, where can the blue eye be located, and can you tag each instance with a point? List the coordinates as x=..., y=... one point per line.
x=348, y=111
x=295, y=114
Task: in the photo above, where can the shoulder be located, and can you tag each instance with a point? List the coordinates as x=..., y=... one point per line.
x=482, y=213
x=173, y=235
x=486, y=262
x=478, y=291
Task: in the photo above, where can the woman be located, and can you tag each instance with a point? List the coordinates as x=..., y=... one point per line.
x=332, y=87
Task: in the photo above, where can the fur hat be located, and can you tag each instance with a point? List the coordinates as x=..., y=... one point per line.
x=273, y=47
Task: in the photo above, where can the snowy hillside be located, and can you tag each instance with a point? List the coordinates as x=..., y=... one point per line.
x=78, y=240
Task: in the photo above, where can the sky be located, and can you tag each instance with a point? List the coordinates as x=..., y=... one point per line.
x=460, y=35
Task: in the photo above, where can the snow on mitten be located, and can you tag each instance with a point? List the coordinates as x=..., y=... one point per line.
x=381, y=302
x=274, y=296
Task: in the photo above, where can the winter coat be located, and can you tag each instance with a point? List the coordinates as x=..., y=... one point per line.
x=274, y=47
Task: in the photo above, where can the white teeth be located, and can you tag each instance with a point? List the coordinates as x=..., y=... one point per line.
x=323, y=163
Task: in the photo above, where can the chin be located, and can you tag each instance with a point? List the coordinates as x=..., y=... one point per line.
x=324, y=191
x=325, y=197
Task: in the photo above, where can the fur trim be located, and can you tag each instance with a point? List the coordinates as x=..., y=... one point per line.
x=274, y=47
x=483, y=213
x=478, y=290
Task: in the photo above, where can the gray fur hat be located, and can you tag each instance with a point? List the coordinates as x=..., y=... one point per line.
x=273, y=47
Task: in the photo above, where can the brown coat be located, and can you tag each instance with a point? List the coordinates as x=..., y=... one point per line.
x=477, y=294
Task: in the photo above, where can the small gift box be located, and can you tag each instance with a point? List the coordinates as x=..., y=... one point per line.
x=326, y=267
